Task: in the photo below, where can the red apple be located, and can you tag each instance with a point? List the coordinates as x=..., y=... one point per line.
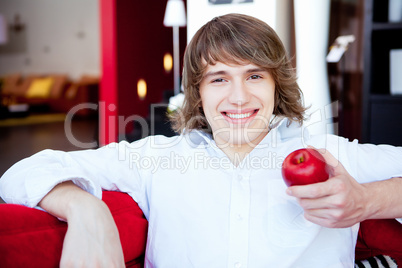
x=304, y=166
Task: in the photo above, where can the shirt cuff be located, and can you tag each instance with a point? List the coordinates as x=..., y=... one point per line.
x=37, y=189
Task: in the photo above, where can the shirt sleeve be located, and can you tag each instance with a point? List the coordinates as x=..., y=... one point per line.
x=365, y=162
x=109, y=168
x=377, y=162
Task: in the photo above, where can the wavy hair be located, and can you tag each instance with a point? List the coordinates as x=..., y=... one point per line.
x=236, y=38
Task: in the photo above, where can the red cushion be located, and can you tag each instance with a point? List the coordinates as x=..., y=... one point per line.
x=34, y=238
x=380, y=237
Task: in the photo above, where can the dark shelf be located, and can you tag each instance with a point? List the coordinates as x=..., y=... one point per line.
x=386, y=26
x=386, y=98
x=382, y=112
x=385, y=119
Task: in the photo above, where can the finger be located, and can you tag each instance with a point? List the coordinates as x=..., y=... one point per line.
x=313, y=191
x=325, y=221
x=333, y=218
x=316, y=203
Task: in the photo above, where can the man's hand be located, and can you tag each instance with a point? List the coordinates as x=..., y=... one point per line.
x=92, y=238
x=338, y=202
x=93, y=243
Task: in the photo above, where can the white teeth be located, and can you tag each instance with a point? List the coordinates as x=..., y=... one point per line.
x=239, y=116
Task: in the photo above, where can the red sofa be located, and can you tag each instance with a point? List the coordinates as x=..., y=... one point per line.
x=33, y=238
x=380, y=237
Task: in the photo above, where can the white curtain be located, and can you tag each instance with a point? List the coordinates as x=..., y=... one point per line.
x=312, y=28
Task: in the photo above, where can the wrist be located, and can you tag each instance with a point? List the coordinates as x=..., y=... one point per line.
x=66, y=200
x=371, y=205
x=82, y=205
x=383, y=199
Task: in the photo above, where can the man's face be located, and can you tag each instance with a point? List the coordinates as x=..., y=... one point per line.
x=238, y=101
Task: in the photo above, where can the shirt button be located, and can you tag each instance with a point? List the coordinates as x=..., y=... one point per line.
x=237, y=265
x=240, y=177
x=239, y=217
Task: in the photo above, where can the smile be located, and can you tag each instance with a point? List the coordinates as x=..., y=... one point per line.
x=240, y=116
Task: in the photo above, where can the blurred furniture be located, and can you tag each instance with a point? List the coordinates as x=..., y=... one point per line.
x=54, y=93
x=156, y=123
x=382, y=111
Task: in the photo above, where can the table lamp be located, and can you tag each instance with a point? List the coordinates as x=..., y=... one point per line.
x=175, y=16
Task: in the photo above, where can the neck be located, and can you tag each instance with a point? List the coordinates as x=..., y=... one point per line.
x=235, y=155
x=237, y=152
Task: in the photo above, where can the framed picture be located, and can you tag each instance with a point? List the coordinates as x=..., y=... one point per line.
x=220, y=2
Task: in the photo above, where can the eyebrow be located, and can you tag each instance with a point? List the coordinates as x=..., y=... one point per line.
x=209, y=74
x=252, y=70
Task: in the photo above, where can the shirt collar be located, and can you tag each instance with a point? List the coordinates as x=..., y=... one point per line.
x=281, y=129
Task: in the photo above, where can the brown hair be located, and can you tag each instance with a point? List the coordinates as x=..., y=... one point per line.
x=236, y=38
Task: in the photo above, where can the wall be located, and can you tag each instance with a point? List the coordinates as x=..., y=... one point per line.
x=134, y=42
x=59, y=36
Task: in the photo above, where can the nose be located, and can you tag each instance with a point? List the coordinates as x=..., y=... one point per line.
x=239, y=94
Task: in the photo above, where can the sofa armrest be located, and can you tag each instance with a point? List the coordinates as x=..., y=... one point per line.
x=34, y=238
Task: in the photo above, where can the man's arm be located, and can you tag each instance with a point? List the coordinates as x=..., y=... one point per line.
x=342, y=201
x=390, y=204
x=92, y=238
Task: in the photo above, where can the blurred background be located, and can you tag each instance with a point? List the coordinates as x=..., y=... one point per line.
x=79, y=74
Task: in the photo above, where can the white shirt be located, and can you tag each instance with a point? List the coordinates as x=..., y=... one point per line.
x=203, y=211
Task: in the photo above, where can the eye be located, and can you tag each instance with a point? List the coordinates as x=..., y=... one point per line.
x=255, y=76
x=218, y=80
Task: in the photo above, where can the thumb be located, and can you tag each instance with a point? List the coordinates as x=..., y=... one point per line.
x=334, y=163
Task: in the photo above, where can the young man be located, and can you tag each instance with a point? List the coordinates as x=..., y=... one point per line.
x=214, y=196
